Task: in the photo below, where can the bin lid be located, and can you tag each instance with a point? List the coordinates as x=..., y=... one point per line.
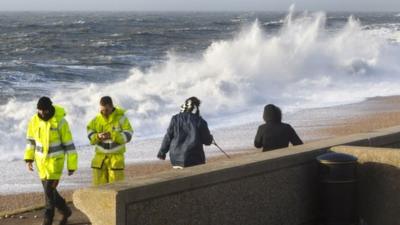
x=334, y=157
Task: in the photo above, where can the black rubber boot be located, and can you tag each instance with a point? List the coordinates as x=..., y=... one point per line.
x=66, y=213
x=47, y=221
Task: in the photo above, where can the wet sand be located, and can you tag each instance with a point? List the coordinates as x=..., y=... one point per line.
x=372, y=114
x=322, y=123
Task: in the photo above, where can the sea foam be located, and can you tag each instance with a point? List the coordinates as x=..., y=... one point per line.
x=302, y=65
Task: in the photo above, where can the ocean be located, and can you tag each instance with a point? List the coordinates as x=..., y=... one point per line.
x=150, y=62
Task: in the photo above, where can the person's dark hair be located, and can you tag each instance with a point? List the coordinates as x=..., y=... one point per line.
x=191, y=105
x=106, y=100
x=195, y=101
x=272, y=113
x=44, y=103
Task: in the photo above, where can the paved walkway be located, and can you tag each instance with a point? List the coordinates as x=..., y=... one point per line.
x=36, y=218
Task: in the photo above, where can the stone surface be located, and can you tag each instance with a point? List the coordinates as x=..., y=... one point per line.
x=285, y=196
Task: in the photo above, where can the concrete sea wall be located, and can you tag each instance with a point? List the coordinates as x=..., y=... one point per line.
x=278, y=187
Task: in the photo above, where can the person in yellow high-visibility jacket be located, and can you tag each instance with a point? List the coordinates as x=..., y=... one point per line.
x=49, y=142
x=109, y=131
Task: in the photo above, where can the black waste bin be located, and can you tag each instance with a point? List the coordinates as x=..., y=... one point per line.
x=337, y=189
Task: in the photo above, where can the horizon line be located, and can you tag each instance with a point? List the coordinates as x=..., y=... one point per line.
x=201, y=11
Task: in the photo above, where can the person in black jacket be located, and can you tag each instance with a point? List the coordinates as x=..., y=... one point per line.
x=274, y=134
x=186, y=134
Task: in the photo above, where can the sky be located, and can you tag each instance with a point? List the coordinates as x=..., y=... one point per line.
x=198, y=5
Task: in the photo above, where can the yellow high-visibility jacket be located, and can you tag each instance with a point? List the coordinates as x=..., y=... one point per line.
x=47, y=144
x=121, y=133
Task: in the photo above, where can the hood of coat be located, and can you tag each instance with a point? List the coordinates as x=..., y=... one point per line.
x=56, y=113
x=59, y=112
x=117, y=113
x=272, y=113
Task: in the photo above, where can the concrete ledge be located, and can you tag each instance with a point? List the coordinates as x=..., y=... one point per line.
x=99, y=205
x=260, y=188
x=387, y=156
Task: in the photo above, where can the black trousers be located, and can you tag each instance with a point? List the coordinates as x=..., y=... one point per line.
x=53, y=198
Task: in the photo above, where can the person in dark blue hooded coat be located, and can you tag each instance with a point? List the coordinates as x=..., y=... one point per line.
x=185, y=137
x=274, y=134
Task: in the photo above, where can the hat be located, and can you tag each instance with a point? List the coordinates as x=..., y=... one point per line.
x=44, y=103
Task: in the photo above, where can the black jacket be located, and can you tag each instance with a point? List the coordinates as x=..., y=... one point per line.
x=184, y=140
x=274, y=134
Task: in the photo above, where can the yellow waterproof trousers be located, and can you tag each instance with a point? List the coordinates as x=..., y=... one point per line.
x=105, y=174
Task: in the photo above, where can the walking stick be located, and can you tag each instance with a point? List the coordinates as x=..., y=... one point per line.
x=215, y=143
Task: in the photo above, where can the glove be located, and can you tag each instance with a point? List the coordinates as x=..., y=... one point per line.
x=161, y=156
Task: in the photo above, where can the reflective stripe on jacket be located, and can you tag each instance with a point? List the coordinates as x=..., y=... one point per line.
x=47, y=144
x=121, y=133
